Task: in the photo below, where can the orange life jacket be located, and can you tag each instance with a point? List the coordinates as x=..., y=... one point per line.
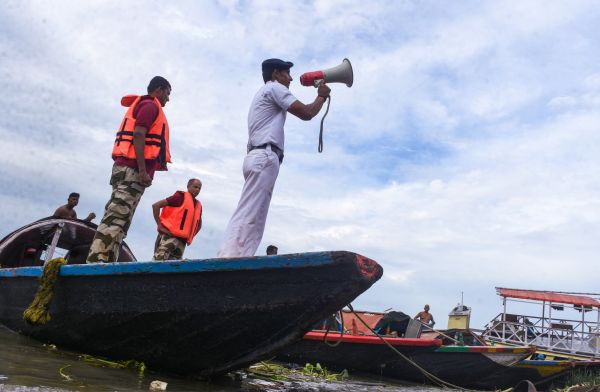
x=183, y=221
x=157, y=137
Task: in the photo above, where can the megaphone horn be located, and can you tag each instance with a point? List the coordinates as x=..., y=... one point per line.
x=339, y=74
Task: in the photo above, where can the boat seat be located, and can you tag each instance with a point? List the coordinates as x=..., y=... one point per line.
x=413, y=330
x=30, y=256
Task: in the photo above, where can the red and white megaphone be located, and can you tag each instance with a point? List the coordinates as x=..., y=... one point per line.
x=340, y=74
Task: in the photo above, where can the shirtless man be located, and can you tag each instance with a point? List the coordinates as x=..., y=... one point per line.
x=425, y=317
x=68, y=210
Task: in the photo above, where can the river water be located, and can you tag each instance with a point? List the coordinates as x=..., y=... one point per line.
x=27, y=365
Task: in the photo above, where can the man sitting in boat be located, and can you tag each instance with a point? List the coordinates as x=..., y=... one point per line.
x=425, y=317
x=179, y=221
x=68, y=210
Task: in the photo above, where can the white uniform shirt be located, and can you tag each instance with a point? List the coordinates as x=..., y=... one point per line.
x=267, y=115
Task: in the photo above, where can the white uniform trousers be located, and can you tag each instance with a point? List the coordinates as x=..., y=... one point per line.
x=247, y=225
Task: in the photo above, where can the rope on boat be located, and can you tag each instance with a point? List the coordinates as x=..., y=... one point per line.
x=436, y=380
x=440, y=333
x=341, y=333
x=37, y=313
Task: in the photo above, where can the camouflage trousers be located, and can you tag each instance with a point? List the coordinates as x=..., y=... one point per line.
x=118, y=213
x=168, y=247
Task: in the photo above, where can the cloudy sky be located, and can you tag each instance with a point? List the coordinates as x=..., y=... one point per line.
x=466, y=155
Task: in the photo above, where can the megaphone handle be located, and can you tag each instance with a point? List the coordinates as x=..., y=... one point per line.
x=323, y=119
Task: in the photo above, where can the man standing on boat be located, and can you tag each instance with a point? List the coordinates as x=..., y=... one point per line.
x=68, y=210
x=141, y=148
x=425, y=317
x=179, y=221
x=266, y=119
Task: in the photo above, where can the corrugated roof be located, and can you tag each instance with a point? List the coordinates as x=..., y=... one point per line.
x=548, y=296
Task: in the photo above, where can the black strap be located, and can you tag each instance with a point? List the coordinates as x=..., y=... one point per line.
x=127, y=136
x=323, y=119
x=130, y=133
x=185, y=212
x=162, y=153
x=147, y=142
x=278, y=151
x=122, y=128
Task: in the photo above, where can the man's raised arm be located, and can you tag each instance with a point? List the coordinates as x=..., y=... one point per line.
x=307, y=112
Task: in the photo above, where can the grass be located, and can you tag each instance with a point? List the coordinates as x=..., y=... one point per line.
x=273, y=372
x=584, y=378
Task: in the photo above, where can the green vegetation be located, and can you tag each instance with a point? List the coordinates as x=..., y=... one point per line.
x=581, y=380
x=65, y=376
x=317, y=371
x=269, y=371
x=129, y=364
x=274, y=372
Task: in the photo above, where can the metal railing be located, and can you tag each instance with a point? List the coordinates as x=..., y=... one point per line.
x=575, y=337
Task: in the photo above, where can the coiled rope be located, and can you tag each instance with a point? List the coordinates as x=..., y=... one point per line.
x=37, y=313
x=341, y=333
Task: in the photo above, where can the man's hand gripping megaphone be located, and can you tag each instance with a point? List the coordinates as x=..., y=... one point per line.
x=340, y=74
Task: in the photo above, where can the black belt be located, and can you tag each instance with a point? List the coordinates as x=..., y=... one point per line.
x=274, y=148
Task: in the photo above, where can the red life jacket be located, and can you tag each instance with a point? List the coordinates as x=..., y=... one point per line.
x=183, y=221
x=157, y=137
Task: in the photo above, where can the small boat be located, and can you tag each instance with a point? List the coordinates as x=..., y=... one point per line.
x=359, y=349
x=541, y=373
x=194, y=317
x=366, y=353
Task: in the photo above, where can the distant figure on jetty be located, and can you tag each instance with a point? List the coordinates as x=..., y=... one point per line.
x=272, y=250
x=68, y=210
x=179, y=221
x=425, y=317
x=266, y=119
x=141, y=148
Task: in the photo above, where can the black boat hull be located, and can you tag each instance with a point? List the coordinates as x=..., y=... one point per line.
x=195, y=317
x=359, y=353
x=470, y=367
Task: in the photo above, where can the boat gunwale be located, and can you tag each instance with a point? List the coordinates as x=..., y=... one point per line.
x=487, y=349
x=334, y=337
x=299, y=260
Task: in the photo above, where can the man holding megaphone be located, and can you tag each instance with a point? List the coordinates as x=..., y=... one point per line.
x=266, y=119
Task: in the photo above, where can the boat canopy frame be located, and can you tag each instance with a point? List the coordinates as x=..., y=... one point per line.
x=573, y=338
x=36, y=243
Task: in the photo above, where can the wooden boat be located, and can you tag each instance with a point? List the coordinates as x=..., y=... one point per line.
x=542, y=373
x=197, y=317
x=366, y=353
x=359, y=350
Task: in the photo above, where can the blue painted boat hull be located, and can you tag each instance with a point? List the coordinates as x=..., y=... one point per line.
x=200, y=317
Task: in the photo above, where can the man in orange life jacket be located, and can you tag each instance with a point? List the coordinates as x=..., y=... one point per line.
x=141, y=148
x=179, y=221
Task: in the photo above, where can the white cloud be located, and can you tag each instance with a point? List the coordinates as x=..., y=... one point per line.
x=464, y=157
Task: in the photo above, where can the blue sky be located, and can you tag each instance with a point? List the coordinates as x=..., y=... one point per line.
x=465, y=156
